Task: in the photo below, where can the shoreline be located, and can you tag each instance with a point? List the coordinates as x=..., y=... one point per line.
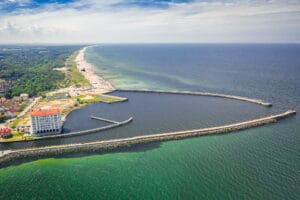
x=99, y=84
x=102, y=86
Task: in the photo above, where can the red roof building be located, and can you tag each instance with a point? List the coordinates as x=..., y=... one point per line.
x=42, y=112
x=11, y=110
x=46, y=121
x=5, y=130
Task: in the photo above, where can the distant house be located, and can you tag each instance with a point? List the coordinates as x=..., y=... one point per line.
x=10, y=113
x=11, y=110
x=16, y=99
x=61, y=95
x=24, y=129
x=3, y=99
x=45, y=121
x=7, y=104
x=5, y=132
x=24, y=96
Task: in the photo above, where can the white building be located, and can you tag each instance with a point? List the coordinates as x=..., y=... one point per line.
x=45, y=121
x=24, y=96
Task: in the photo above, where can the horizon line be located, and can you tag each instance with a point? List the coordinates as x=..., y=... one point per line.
x=144, y=43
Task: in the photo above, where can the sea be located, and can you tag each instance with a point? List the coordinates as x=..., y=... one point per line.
x=257, y=163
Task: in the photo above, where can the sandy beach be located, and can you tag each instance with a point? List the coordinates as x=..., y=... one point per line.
x=99, y=84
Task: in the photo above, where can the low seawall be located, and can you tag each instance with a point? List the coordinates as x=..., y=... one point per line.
x=10, y=155
x=251, y=100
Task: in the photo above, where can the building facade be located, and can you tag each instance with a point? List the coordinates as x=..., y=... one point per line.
x=45, y=121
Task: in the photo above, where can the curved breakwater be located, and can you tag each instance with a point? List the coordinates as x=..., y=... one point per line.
x=10, y=155
x=251, y=100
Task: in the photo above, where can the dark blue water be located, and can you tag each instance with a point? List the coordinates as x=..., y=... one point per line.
x=152, y=113
x=155, y=113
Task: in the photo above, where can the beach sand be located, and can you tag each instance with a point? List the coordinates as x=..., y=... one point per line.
x=99, y=84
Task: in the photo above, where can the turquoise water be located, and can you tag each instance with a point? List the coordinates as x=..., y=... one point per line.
x=259, y=163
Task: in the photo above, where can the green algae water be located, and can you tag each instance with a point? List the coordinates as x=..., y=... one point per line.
x=213, y=167
x=258, y=163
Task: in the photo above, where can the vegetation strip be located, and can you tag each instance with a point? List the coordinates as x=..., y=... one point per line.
x=251, y=100
x=111, y=99
x=116, y=143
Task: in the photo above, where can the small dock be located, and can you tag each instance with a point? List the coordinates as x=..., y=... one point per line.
x=105, y=120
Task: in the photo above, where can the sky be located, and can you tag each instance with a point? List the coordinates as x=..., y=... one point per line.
x=149, y=21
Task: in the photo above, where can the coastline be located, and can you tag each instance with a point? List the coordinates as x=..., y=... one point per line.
x=99, y=84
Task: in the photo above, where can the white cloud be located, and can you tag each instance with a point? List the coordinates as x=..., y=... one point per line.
x=217, y=21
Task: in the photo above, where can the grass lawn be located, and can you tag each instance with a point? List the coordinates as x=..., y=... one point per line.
x=88, y=98
x=111, y=99
x=17, y=136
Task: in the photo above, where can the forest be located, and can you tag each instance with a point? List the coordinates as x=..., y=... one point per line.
x=30, y=68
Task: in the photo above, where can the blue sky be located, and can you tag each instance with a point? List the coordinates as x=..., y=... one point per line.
x=149, y=21
x=15, y=5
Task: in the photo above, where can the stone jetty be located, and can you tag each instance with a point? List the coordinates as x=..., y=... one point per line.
x=105, y=120
x=10, y=155
x=240, y=98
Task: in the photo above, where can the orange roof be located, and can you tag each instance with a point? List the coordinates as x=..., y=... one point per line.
x=44, y=112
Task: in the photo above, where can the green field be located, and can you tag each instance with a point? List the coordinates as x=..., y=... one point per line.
x=73, y=75
x=111, y=99
x=30, y=69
